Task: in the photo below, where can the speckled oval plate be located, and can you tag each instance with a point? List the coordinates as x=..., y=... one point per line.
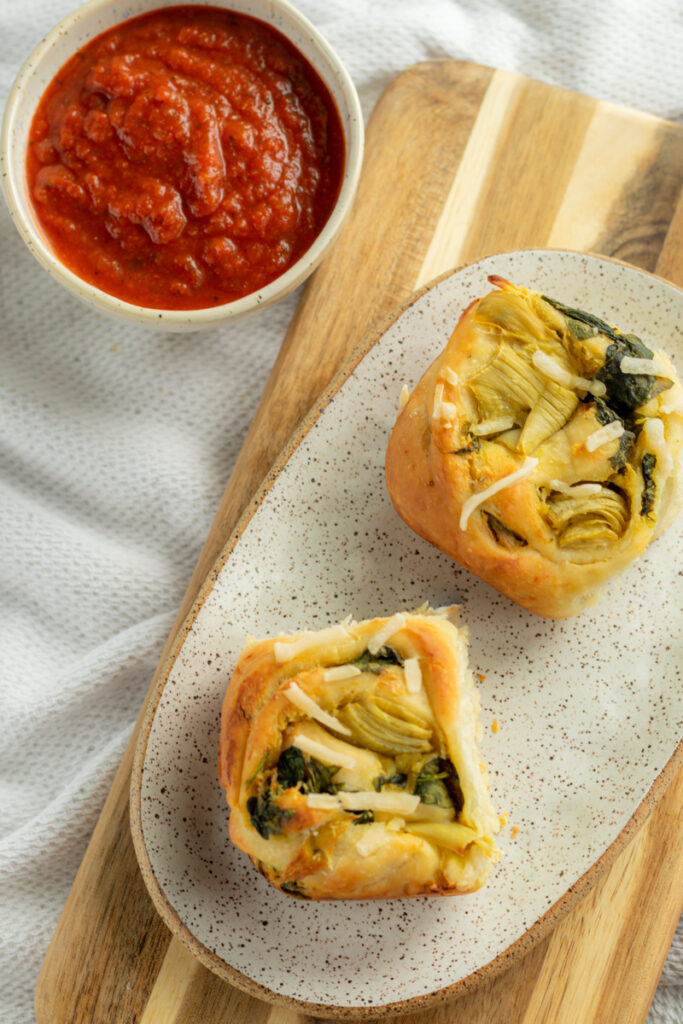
x=590, y=710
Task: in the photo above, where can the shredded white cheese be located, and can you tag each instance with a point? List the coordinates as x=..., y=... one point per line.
x=563, y=488
x=390, y=627
x=333, y=675
x=653, y=431
x=304, y=703
x=322, y=752
x=487, y=427
x=474, y=500
x=323, y=801
x=610, y=432
x=549, y=368
x=285, y=650
x=403, y=398
x=652, y=367
x=371, y=841
x=413, y=675
x=442, y=411
x=450, y=376
x=390, y=801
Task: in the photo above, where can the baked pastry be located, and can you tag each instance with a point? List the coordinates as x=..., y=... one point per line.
x=350, y=763
x=541, y=450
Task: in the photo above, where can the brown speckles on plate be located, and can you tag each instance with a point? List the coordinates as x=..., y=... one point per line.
x=591, y=708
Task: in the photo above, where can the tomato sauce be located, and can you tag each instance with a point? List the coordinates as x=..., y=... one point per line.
x=184, y=158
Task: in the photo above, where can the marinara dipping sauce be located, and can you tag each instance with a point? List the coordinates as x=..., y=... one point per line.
x=185, y=158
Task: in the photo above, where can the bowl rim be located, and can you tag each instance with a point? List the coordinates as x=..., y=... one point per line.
x=18, y=202
x=540, y=928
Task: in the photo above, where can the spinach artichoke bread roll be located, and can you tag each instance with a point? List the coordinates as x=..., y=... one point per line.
x=350, y=763
x=542, y=450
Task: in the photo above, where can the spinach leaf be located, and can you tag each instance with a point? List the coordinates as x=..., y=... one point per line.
x=587, y=323
x=647, y=500
x=472, y=446
x=295, y=889
x=266, y=817
x=319, y=776
x=438, y=783
x=362, y=817
x=502, y=534
x=623, y=454
x=398, y=779
x=291, y=768
x=626, y=391
x=311, y=775
x=377, y=662
x=604, y=415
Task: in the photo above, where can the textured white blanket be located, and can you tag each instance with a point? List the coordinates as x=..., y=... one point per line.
x=116, y=446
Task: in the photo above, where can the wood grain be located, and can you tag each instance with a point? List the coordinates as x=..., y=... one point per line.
x=461, y=161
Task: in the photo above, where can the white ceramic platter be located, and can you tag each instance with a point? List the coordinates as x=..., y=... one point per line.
x=590, y=710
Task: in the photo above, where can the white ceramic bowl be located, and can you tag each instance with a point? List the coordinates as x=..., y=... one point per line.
x=96, y=17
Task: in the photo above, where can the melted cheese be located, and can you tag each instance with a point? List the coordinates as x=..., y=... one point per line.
x=322, y=752
x=413, y=675
x=304, y=703
x=374, y=836
x=610, y=432
x=672, y=401
x=390, y=801
x=285, y=650
x=474, y=500
x=391, y=626
x=549, y=368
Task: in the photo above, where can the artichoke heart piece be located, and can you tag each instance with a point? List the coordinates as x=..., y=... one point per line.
x=584, y=520
x=553, y=409
x=523, y=314
x=451, y=835
x=502, y=534
x=507, y=386
x=385, y=726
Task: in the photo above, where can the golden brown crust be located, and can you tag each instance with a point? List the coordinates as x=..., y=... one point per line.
x=387, y=724
x=431, y=474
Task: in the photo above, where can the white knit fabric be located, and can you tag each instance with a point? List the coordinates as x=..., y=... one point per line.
x=115, y=447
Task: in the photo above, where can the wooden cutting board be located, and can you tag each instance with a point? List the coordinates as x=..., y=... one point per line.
x=461, y=161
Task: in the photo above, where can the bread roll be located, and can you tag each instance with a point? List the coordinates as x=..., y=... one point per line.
x=541, y=450
x=349, y=759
